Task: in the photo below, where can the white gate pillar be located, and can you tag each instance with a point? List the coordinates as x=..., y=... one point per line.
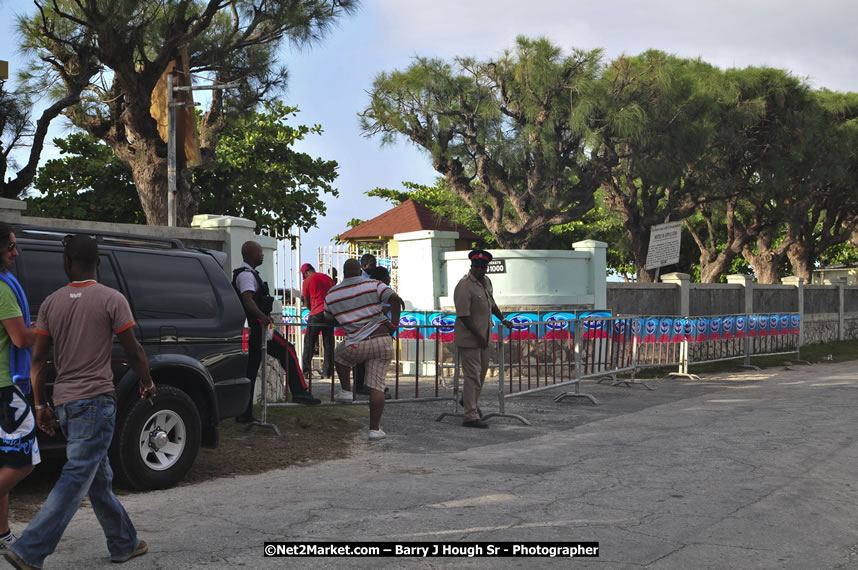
x=421, y=271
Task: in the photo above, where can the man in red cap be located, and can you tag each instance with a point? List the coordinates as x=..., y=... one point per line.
x=475, y=306
x=313, y=292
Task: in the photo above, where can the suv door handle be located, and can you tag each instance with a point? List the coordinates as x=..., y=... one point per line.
x=168, y=334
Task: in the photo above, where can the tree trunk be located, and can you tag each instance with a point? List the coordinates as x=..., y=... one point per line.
x=767, y=273
x=14, y=187
x=645, y=275
x=766, y=262
x=811, y=238
x=711, y=270
x=150, y=177
x=639, y=250
x=801, y=258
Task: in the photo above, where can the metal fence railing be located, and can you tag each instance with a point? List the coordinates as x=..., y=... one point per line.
x=686, y=341
x=560, y=350
x=422, y=368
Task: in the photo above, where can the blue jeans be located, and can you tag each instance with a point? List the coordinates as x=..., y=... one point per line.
x=88, y=427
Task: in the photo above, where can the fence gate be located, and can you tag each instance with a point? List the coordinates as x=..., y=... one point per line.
x=333, y=257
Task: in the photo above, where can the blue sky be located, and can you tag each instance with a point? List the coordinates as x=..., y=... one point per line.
x=328, y=81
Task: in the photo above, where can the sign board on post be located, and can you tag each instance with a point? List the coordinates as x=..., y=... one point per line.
x=4, y=69
x=663, y=245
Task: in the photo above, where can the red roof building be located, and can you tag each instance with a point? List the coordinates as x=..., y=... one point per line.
x=410, y=216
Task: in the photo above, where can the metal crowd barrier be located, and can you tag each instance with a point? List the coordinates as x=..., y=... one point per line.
x=530, y=357
x=686, y=341
x=422, y=368
x=535, y=356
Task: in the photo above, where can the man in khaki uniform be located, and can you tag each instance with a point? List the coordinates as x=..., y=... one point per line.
x=475, y=306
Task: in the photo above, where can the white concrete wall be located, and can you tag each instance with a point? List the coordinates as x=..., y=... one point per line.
x=420, y=270
x=10, y=212
x=540, y=277
x=598, y=270
x=236, y=232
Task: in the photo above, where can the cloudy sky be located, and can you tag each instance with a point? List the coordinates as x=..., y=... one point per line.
x=329, y=81
x=811, y=39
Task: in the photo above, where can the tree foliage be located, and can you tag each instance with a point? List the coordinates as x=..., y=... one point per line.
x=822, y=210
x=258, y=176
x=14, y=126
x=101, y=60
x=660, y=116
x=752, y=159
x=87, y=183
x=509, y=135
x=760, y=167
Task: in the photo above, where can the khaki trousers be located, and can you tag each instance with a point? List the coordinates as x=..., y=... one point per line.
x=475, y=364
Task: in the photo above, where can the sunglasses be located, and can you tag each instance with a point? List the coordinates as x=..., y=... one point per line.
x=11, y=247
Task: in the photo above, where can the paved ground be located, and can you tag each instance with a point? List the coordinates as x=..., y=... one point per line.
x=755, y=470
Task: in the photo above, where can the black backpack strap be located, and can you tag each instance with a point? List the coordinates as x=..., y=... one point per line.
x=236, y=272
x=261, y=296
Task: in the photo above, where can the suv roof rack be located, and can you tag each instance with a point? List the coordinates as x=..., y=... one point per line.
x=105, y=237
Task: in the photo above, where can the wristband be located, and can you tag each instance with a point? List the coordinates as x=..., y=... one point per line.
x=39, y=407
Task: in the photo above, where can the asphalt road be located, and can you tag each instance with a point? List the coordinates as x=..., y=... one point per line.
x=752, y=470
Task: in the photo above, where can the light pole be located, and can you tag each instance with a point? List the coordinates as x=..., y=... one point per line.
x=171, y=138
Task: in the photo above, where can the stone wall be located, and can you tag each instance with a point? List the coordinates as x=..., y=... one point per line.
x=775, y=299
x=643, y=298
x=829, y=312
x=850, y=299
x=816, y=330
x=715, y=299
x=850, y=325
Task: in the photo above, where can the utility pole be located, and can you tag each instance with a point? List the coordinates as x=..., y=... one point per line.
x=4, y=75
x=172, y=186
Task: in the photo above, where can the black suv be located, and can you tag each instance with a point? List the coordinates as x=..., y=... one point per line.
x=191, y=324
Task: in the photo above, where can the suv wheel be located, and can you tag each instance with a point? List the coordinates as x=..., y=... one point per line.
x=158, y=442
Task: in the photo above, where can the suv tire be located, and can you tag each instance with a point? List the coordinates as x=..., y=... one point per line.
x=158, y=441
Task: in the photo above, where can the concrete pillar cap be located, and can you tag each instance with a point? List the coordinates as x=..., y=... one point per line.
x=673, y=277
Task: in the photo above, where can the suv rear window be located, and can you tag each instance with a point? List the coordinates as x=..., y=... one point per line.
x=150, y=277
x=44, y=275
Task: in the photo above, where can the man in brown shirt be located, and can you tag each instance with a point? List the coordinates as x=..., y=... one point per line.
x=474, y=309
x=81, y=320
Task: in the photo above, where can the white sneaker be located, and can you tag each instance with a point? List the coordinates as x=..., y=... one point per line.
x=6, y=542
x=343, y=396
x=376, y=434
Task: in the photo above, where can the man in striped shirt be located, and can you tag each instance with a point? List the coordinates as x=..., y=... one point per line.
x=356, y=304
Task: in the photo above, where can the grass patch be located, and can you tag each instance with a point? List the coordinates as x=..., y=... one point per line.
x=308, y=434
x=839, y=350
